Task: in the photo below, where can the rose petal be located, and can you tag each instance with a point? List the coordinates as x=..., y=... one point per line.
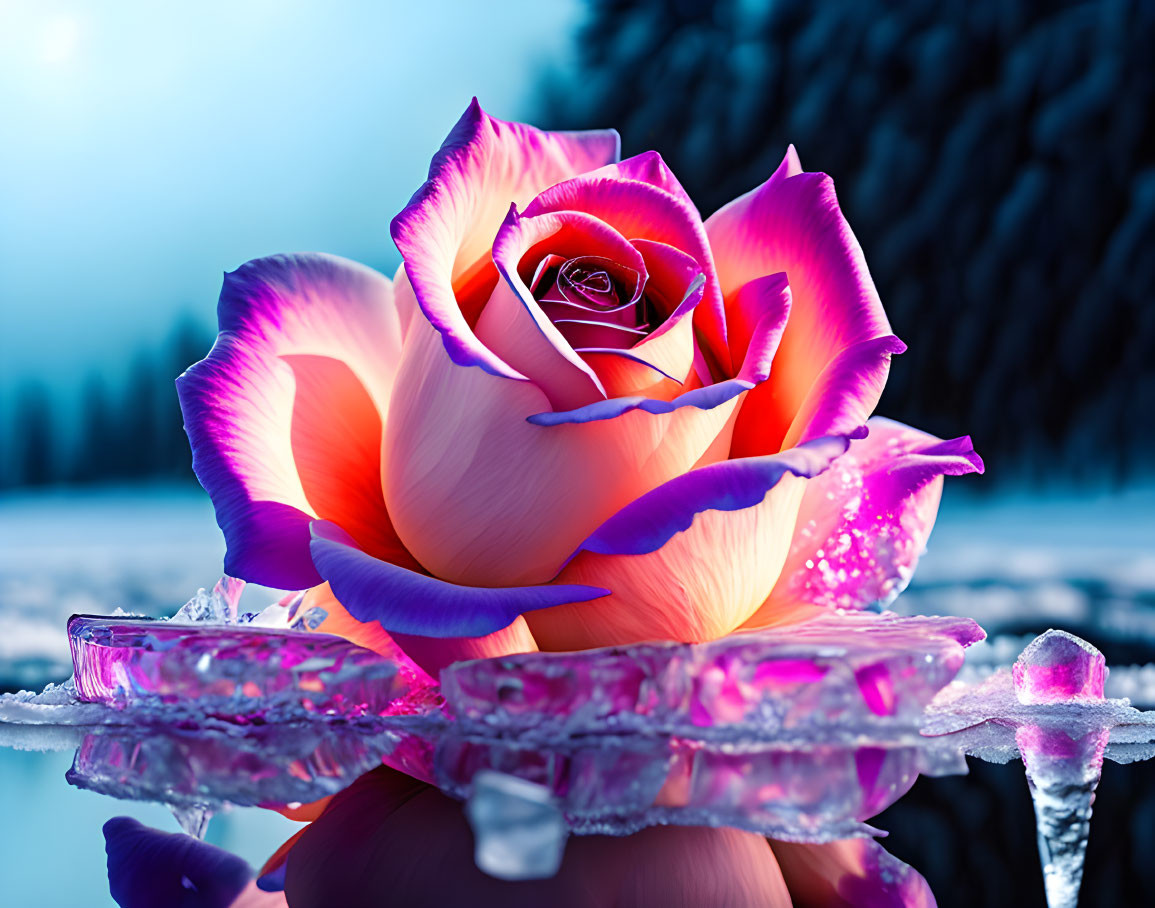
x=147, y=867
x=865, y=522
x=429, y=654
x=383, y=835
x=648, y=167
x=755, y=369
x=792, y=224
x=483, y=497
x=841, y=395
x=852, y=873
x=513, y=325
x=691, y=560
x=643, y=211
x=676, y=286
x=751, y=304
x=406, y=602
x=336, y=439
x=709, y=398
x=301, y=374
x=446, y=231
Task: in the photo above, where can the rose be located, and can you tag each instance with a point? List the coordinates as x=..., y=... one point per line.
x=578, y=416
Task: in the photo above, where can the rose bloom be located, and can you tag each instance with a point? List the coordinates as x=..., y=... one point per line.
x=577, y=416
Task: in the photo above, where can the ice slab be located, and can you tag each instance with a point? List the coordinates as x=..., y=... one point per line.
x=815, y=682
x=239, y=670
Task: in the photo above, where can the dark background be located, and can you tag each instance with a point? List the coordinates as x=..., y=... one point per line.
x=996, y=160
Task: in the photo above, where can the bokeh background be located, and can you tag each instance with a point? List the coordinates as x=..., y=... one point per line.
x=996, y=159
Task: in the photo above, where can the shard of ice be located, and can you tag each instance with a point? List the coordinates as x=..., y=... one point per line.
x=193, y=819
x=216, y=606
x=1063, y=770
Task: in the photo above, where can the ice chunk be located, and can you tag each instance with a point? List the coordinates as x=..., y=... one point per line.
x=216, y=607
x=1057, y=667
x=519, y=833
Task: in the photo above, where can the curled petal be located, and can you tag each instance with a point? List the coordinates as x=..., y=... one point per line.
x=769, y=295
x=851, y=873
x=661, y=363
x=307, y=352
x=778, y=415
x=708, y=398
x=864, y=523
x=428, y=654
x=691, y=560
x=410, y=603
x=643, y=211
x=734, y=485
x=792, y=224
x=648, y=167
x=484, y=497
x=147, y=867
x=446, y=231
x=513, y=324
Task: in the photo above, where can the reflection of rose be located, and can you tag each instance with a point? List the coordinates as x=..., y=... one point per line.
x=578, y=416
x=389, y=839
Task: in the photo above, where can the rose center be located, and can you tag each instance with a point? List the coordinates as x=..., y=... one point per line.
x=595, y=303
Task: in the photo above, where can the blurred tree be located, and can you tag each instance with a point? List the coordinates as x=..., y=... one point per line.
x=136, y=432
x=995, y=159
x=33, y=436
x=95, y=455
x=188, y=343
x=137, y=447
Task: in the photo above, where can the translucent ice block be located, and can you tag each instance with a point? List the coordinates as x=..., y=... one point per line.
x=240, y=670
x=812, y=682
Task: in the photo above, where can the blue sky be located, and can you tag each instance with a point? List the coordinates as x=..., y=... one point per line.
x=147, y=147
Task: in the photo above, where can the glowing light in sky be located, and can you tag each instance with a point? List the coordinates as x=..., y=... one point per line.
x=61, y=36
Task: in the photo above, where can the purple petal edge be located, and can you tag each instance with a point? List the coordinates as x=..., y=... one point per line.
x=648, y=523
x=402, y=601
x=266, y=542
x=703, y=398
x=462, y=347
